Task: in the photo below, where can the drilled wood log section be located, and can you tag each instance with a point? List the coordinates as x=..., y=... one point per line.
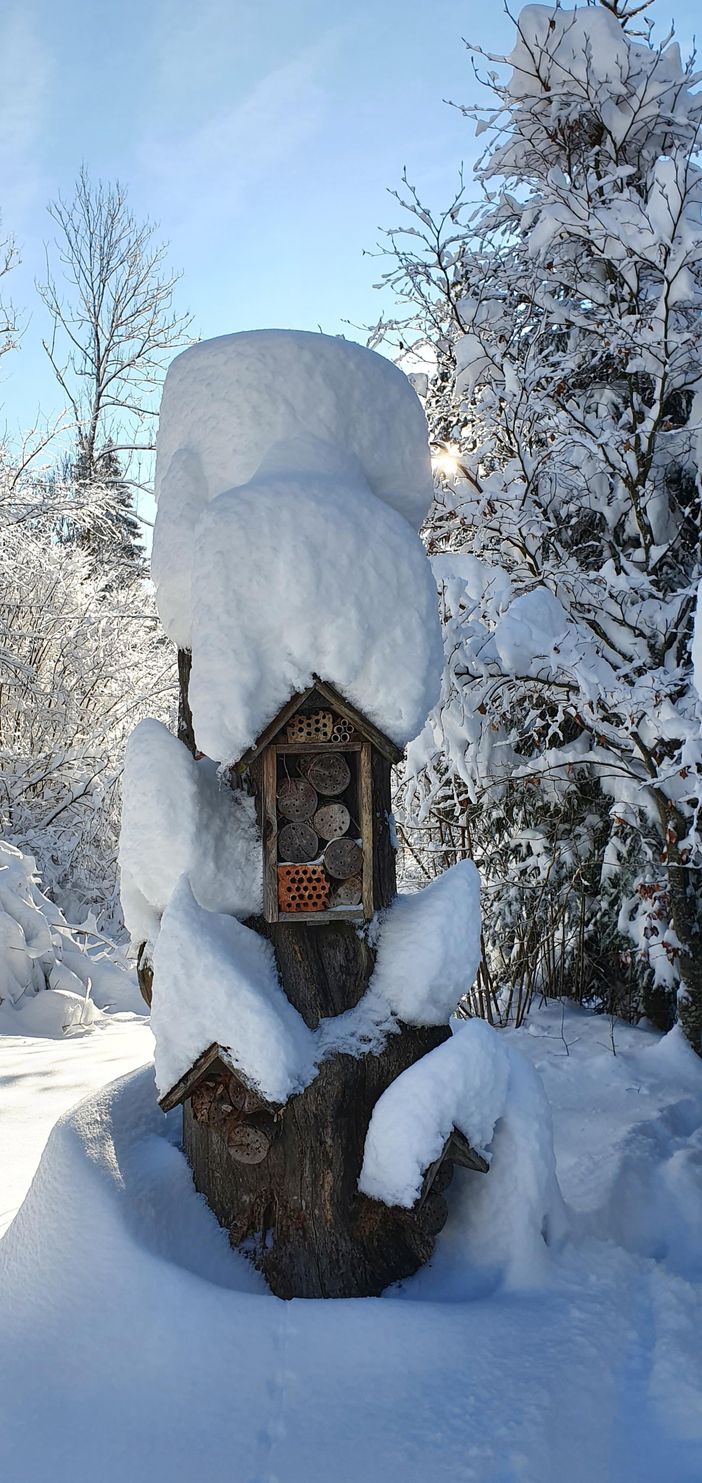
x=298, y=843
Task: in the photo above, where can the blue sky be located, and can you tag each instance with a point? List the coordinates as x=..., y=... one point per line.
x=262, y=135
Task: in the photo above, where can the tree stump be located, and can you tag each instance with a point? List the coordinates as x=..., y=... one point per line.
x=284, y=1180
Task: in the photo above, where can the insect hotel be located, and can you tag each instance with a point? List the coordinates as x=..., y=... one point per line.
x=284, y=1177
x=281, y=1044
x=321, y=772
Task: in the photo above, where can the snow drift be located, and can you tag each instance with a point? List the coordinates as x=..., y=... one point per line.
x=598, y=1369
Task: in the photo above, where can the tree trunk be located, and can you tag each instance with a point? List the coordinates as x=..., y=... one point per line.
x=686, y=921
x=284, y=1181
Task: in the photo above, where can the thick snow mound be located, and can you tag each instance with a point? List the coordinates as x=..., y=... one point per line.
x=462, y=1084
x=429, y=947
x=216, y=980
x=179, y=818
x=227, y=401
x=297, y=575
x=291, y=469
x=509, y=1216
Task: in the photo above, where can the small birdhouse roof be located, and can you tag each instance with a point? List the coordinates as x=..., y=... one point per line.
x=215, y=1060
x=325, y=692
x=211, y=1059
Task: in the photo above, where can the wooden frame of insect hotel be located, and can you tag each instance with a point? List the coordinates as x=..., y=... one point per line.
x=321, y=775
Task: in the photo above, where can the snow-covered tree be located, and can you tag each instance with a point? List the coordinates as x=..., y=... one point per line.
x=564, y=316
x=8, y=318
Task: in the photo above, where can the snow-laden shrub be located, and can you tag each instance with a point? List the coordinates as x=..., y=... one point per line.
x=38, y=951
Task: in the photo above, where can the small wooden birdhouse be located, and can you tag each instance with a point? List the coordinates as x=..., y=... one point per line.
x=321, y=773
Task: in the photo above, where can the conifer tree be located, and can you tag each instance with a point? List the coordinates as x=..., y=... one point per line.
x=118, y=537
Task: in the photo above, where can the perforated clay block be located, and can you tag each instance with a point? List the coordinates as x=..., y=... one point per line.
x=310, y=726
x=302, y=888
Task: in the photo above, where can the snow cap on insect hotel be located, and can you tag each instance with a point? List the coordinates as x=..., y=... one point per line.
x=292, y=475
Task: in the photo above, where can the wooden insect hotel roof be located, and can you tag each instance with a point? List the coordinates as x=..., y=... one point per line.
x=326, y=692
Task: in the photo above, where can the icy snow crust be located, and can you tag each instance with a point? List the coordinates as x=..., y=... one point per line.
x=291, y=469
x=179, y=818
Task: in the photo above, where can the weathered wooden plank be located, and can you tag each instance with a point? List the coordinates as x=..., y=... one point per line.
x=209, y=1060
x=384, y=877
x=269, y=830
x=293, y=748
x=271, y=731
x=215, y=1062
x=365, y=804
x=460, y=1151
x=456, y=1150
x=323, y=918
x=327, y=692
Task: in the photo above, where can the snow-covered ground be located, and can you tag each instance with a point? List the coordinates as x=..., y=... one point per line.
x=44, y=1073
x=135, y=1344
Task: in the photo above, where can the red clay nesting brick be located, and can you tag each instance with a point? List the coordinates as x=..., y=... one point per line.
x=302, y=888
